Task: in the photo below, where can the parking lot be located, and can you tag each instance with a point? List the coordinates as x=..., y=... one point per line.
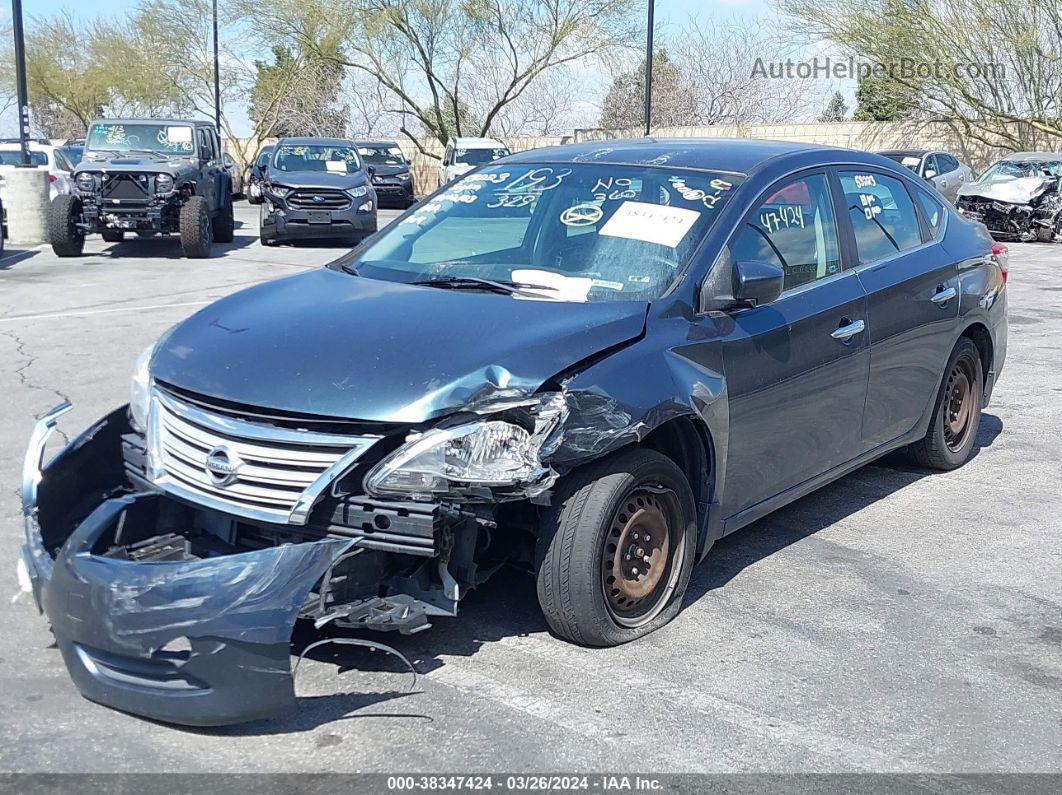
x=894, y=621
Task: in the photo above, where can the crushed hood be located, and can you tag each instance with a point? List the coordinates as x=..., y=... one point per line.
x=1020, y=190
x=332, y=344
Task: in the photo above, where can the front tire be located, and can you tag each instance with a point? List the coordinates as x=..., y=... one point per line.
x=197, y=230
x=67, y=239
x=957, y=412
x=617, y=549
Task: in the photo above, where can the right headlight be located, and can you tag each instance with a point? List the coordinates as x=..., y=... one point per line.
x=163, y=183
x=358, y=192
x=441, y=461
x=470, y=459
x=85, y=181
x=276, y=190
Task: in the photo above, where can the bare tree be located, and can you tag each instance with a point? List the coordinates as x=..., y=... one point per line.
x=716, y=63
x=991, y=67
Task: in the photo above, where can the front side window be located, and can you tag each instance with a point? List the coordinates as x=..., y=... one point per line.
x=577, y=232
x=793, y=228
x=882, y=213
x=316, y=157
x=140, y=137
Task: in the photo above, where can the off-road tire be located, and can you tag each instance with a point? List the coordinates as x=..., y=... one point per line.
x=939, y=449
x=113, y=235
x=66, y=239
x=576, y=533
x=224, y=224
x=197, y=229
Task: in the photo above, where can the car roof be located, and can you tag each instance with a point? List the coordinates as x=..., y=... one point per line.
x=905, y=152
x=309, y=140
x=734, y=155
x=32, y=145
x=1029, y=157
x=484, y=143
x=194, y=122
x=376, y=142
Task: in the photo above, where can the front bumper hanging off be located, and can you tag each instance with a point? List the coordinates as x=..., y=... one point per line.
x=192, y=641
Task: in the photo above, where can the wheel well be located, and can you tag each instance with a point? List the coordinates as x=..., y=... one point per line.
x=687, y=444
x=983, y=340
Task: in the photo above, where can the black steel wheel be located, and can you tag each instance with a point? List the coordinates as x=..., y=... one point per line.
x=952, y=431
x=616, y=548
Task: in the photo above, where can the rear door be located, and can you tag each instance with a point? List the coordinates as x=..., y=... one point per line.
x=912, y=291
x=796, y=369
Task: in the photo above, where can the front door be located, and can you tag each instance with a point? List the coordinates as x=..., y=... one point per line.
x=796, y=369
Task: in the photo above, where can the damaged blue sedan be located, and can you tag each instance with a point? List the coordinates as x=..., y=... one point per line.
x=587, y=362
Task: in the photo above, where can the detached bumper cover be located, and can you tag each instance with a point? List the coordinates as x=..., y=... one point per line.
x=200, y=642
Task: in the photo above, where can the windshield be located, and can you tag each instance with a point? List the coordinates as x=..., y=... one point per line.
x=382, y=155
x=13, y=157
x=575, y=232
x=316, y=157
x=909, y=161
x=477, y=157
x=1010, y=169
x=74, y=153
x=117, y=137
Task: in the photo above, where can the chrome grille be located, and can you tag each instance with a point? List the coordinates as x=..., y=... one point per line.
x=318, y=199
x=244, y=468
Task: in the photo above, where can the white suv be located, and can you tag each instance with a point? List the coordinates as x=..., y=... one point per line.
x=464, y=154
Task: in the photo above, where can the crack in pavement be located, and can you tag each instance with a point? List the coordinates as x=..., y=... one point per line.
x=24, y=380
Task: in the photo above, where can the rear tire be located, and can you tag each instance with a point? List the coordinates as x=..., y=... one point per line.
x=113, y=236
x=956, y=414
x=635, y=503
x=63, y=214
x=224, y=224
x=197, y=230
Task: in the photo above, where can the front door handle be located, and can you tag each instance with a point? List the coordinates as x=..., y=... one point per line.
x=943, y=296
x=848, y=330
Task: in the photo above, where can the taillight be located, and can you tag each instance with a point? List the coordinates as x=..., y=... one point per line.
x=1001, y=254
x=51, y=177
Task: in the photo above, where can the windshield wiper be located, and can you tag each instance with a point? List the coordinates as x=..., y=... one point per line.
x=502, y=286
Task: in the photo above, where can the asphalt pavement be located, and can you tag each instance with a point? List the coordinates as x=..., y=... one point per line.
x=896, y=620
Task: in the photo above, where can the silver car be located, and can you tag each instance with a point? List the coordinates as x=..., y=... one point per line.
x=941, y=169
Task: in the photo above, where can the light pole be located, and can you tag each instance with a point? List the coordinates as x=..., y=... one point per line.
x=217, y=80
x=20, y=80
x=649, y=68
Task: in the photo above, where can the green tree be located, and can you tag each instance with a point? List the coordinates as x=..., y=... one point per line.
x=437, y=58
x=300, y=92
x=674, y=102
x=836, y=109
x=882, y=99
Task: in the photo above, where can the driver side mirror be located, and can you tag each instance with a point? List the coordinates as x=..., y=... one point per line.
x=752, y=284
x=371, y=171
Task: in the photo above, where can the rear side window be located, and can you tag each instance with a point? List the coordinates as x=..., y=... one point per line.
x=793, y=228
x=933, y=212
x=882, y=213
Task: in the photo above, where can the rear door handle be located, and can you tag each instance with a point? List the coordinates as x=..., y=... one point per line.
x=943, y=296
x=849, y=330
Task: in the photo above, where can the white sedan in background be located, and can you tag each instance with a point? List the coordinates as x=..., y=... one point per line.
x=44, y=157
